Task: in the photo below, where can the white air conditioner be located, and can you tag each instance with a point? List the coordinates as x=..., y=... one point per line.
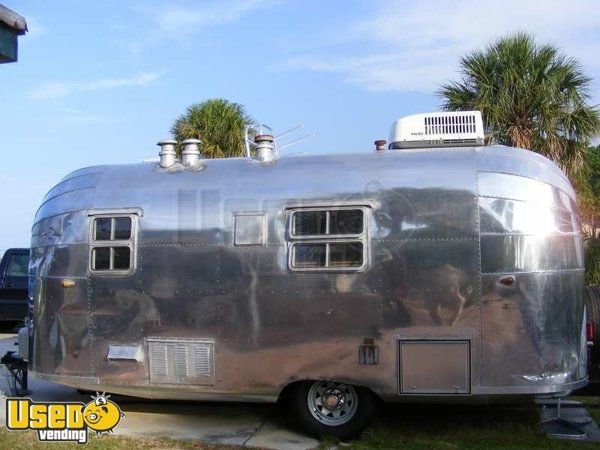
x=444, y=129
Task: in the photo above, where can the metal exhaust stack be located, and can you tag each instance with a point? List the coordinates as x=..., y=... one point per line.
x=380, y=145
x=168, y=155
x=265, y=147
x=190, y=155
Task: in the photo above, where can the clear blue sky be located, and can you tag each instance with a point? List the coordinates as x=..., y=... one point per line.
x=101, y=82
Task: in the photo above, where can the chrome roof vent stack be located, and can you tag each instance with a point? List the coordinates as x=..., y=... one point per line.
x=190, y=155
x=167, y=154
x=380, y=145
x=265, y=147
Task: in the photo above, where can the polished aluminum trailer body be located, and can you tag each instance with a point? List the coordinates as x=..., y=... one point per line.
x=469, y=284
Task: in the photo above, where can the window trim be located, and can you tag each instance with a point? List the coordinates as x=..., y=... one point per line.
x=292, y=228
x=131, y=243
x=327, y=256
x=294, y=239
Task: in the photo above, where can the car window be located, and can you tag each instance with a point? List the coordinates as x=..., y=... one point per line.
x=17, y=266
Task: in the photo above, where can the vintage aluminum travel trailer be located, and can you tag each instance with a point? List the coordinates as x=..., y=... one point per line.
x=447, y=273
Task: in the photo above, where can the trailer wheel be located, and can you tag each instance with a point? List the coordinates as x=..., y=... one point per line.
x=331, y=408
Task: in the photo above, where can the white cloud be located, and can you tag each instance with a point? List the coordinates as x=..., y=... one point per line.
x=52, y=90
x=415, y=46
x=177, y=19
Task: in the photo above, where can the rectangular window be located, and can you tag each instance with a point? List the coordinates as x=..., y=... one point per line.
x=325, y=239
x=18, y=265
x=112, y=246
x=334, y=222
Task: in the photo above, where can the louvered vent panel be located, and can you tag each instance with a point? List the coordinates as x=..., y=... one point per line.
x=181, y=360
x=158, y=355
x=174, y=361
x=436, y=125
x=204, y=360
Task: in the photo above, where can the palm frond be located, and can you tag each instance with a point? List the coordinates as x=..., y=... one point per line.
x=218, y=123
x=531, y=96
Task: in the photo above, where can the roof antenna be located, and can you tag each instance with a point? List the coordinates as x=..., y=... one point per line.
x=251, y=131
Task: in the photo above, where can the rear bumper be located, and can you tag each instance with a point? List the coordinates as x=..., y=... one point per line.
x=13, y=309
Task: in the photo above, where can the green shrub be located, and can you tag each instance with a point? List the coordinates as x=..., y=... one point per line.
x=592, y=260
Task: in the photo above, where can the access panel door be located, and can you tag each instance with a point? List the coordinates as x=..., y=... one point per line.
x=435, y=367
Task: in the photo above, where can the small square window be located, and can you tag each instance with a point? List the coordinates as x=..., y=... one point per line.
x=310, y=256
x=310, y=223
x=101, y=258
x=121, y=258
x=346, y=254
x=103, y=229
x=346, y=221
x=122, y=228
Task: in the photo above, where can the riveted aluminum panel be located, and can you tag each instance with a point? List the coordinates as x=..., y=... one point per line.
x=501, y=216
x=62, y=339
x=422, y=277
x=434, y=367
x=532, y=329
x=530, y=253
x=502, y=185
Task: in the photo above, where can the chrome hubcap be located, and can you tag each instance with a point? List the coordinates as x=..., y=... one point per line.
x=332, y=403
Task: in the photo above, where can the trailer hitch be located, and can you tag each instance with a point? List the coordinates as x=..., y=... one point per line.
x=15, y=368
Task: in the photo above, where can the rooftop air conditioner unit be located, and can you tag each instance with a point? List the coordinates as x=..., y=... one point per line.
x=444, y=129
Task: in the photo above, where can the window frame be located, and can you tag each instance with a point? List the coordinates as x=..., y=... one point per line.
x=292, y=227
x=111, y=243
x=11, y=255
x=327, y=239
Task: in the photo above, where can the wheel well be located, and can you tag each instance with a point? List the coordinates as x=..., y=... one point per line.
x=288, y=388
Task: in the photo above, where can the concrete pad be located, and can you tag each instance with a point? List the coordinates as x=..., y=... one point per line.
x=249, y=425
x=271, y=434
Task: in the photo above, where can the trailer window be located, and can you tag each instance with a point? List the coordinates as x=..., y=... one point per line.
x=112, y=228
x=325, y=239
x=346, y=254
x=101, y=258
x=112, y=245
x=307, y=256
x=329, y=222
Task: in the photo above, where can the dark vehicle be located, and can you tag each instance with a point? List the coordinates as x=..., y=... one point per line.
x=13, y=284
x=593, y=337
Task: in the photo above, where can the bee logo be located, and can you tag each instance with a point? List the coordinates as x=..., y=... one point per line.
x=102, y=414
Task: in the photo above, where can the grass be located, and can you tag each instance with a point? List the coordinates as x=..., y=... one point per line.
x=593, y=406
x=27, y=440
x=462, y=427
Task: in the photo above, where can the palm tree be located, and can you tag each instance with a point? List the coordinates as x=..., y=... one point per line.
x=531, y=96
x=218, y=123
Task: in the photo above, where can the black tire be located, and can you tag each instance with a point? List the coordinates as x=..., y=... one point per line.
x=363, y=410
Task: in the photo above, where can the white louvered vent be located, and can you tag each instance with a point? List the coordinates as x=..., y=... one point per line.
x=444, y=129
x=181, y=361
x=204, y=360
